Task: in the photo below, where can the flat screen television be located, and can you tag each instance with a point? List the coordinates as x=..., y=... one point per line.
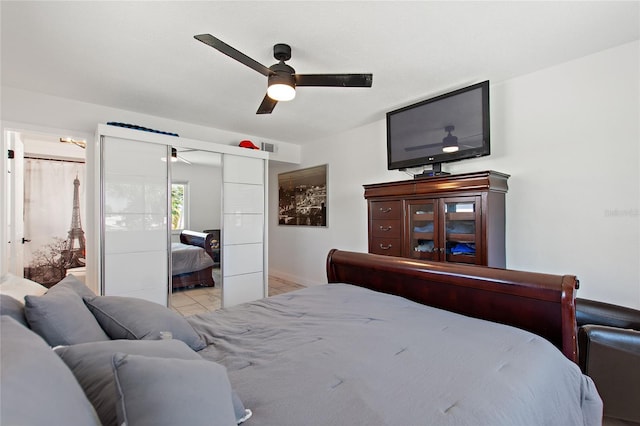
x=450, y=127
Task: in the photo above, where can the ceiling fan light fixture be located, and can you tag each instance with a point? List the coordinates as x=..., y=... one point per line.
x=450, y=142
x=281, y=87
x=281, y=92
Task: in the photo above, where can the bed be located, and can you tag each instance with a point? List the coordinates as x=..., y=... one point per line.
x=193, y=259
x=463, y=345
x=448, y=345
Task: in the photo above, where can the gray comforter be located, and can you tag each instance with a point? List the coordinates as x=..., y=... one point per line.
x=342, y=355
x=188, y=258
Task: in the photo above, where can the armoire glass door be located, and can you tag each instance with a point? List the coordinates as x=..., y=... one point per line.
x=423, y=227
x=462, y=230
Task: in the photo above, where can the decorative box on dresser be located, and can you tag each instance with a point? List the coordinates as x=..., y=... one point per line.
x=450, y=218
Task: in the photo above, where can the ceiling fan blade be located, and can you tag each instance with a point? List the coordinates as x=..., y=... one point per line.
x=267, y=105
x=233, y=53
x=334, y=80
x=184, y=160
x=425, y=146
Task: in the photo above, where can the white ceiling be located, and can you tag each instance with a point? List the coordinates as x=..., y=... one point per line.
x=141, y=56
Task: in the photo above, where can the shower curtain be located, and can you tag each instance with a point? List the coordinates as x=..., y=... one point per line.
x=51, y=223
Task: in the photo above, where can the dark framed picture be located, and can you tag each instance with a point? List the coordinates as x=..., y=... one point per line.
x=302, y=197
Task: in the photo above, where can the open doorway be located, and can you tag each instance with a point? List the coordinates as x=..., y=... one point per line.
x=47, y=240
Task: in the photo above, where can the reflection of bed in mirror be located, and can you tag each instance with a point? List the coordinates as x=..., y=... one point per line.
x=193, y=259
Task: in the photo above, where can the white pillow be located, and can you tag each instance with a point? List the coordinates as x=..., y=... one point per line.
x=18, y=287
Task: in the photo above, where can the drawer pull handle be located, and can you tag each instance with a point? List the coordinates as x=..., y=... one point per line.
x=385, y=228
x=383, y=210
x=385, y=247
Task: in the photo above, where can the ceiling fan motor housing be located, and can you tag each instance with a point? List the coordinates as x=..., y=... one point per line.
x=282, y=52
x=283, y=74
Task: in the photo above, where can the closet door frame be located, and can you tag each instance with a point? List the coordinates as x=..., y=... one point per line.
x=95, y=263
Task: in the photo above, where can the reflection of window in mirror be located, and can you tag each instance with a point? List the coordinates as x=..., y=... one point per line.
x=179, y=206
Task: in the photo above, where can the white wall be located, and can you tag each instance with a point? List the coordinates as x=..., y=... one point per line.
x=354, y=158
x=568, y=135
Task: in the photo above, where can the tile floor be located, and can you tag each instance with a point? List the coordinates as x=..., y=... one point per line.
x=202, y=299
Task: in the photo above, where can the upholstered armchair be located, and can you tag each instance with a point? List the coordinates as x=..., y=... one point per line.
x=609, y=352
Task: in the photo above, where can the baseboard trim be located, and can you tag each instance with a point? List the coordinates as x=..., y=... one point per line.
x=292, y=278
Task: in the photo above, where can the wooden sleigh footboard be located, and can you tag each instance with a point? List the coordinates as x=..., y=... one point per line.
x=203, y=277
x=210, y=243
x=543, y=304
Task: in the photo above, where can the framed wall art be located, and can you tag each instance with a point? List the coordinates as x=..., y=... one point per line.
x=302, y=197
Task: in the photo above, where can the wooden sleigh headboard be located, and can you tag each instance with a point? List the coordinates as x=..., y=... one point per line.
x=207, y=240
x=543, y=304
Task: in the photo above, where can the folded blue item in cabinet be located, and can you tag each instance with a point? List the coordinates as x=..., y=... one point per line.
x=463, y=248
x=426, y=228
x=461, y=227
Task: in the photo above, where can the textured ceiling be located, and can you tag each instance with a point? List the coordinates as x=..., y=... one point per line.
x=141, y=56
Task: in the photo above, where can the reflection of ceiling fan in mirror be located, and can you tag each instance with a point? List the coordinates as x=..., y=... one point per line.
x=175, y=157
x=282, y=79
x=197, y=157
x=450, y=143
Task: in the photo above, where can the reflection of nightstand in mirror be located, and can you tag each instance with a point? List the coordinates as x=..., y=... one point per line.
x=214, y=245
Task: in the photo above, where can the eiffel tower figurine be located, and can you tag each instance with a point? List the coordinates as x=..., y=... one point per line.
x=75, y=252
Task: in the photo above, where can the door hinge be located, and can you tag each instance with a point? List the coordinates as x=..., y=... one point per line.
x=11, y=154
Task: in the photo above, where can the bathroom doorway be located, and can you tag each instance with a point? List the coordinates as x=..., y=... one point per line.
x=45, y=211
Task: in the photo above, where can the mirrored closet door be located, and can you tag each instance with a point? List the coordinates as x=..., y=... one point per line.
x=196, y=230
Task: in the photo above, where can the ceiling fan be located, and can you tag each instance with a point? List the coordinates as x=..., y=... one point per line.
x=450, y=143
x=175, y=157
x=282, y=79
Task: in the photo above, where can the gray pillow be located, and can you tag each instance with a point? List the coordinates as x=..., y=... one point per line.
x=91, y=364
x=13, y=308
x=70, y=281
x=61, y=317
x=168, y=392
x=36, y=387
x=132, y=318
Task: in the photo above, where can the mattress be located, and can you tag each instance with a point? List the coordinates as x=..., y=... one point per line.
x=339, y=354
x=188, y=258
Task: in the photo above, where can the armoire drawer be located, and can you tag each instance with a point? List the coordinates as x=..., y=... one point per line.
x=386, y=228
x=386, y=246
x=386, y=209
